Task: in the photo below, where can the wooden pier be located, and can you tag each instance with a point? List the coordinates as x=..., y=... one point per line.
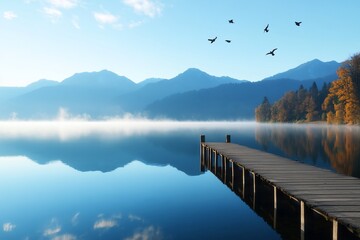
x=335, y=197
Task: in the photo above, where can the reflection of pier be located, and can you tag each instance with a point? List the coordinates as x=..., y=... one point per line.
x=298, y=200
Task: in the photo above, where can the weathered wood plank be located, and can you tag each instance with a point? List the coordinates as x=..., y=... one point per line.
x=335, y=195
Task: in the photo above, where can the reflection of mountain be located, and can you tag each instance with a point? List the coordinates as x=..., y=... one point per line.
x=96, y=154
x=309, y=143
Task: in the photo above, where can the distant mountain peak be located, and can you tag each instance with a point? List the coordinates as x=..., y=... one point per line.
x=41, y=83
x=100, y=78
x=309, y=70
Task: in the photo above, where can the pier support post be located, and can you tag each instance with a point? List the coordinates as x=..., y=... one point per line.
x=335, y=230
x=215, y=162
x=275, y=207
x=302, y=219
x=243, y=182
x=223, y=167
x=202, y=153
x=209, y=158
x=254, y=189
x=232, y=175
x=228, y=138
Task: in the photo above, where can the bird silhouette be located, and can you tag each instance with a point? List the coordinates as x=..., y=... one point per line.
x=272, y=52
x=212, y=40
x=298, y=23
x=228, y=41
x=231, y=21
x=267, y=28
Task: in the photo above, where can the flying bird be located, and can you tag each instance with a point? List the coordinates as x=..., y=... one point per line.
x=231, y=21
x=298, y=23
x=272, y=52
x=212, y=40
x=267, y=28
x=228, y=41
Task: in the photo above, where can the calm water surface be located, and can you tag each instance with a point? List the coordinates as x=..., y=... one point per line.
x=141, y=180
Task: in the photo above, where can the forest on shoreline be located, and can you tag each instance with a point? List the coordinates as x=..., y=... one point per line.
x=337, y=102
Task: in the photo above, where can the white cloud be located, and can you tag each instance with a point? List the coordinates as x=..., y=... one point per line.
x=8, y=227
x=105, y=18
x=63, y=3
x=147, y=7
x=9, y=15
x=135, y=24
x=75, y=22
x=52, y=12
x=103, y=223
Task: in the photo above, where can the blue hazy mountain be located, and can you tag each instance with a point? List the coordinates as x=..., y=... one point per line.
x=40, y=84
x=148, y=81
x=191, y=79
x=309, y=70
x=7, y=93
x=186, y=96
x=91, y=93
x=227, y=101
x=103, y=80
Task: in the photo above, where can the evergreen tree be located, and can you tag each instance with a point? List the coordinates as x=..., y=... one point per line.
x=263, y=112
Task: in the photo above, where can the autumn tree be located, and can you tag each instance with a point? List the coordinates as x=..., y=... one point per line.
x=263, y=111
x=343, y=101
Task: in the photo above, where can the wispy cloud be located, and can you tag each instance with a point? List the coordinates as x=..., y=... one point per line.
x=75, y=22
x=146, y=7
x=53, y=13
x=9, y=15
x=8, y=227
x=105, y=18
x=135, y=24
x=63, y=3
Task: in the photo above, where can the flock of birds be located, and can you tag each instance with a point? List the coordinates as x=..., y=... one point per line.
x=266, y=30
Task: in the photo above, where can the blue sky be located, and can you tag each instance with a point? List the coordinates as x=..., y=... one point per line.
x=139, y=39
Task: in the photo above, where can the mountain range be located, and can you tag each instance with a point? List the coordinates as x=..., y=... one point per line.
x=191, y=95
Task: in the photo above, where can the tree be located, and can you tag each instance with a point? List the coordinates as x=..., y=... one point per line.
x=263, y=112
x=343, y=101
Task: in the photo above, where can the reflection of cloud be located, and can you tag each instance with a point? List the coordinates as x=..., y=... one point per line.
x=8, y=227
x=103, y=223
x=75, y=219
x=64, y=237
x=134, y=218
x=52, y=231
x=145, y=234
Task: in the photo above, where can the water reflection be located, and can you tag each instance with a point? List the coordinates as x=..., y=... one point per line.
x=106, y=146
x=327, y=146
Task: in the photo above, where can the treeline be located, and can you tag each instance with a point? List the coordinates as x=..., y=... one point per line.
x=337, y=102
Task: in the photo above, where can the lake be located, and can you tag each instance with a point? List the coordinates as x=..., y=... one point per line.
x=138, y=179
